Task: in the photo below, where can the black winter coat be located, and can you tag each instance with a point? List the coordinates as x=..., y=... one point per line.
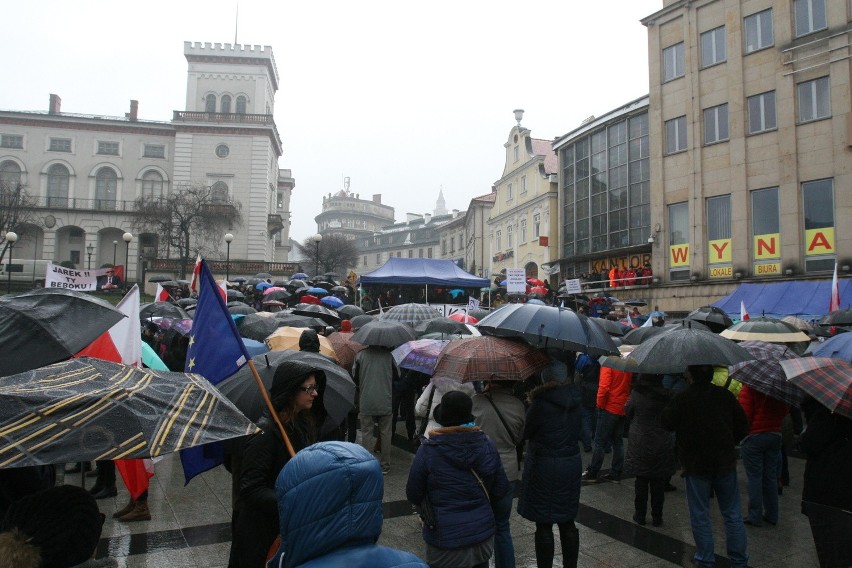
x=650, y=451
x=550, y=487
x=827, y=441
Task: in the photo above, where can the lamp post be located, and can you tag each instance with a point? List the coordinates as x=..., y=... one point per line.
x=11, y=237
x=228, y=238
x=90, y=250
x=127, y=238
x=114, y=248
x=317, y=239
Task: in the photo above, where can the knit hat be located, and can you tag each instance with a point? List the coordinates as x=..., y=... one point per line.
x=345, y=326
x=62, y=522
x=454, y=410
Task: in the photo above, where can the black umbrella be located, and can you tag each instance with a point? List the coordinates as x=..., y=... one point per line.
x=337, y=396
x=674, y=351
x=714, y=318
x=235, y=295
x=549, y=326
x=251, y=282
x=48, y=325
x=691, y=324
x=838, y=317
x=350, y=311
x=159, y=278
x=635, y=302
x=640, y=334
x=331, y=317
x=164, y=309
x=360, y=321
x=238, y=280
x=263, y=275
x=339, y=289
x=294, y=320
x=171, y=284
x=442, y=325
x=384, y=333
x=257, y=327
x=186, y=302
x=297, y=283
x=609, y=326
x=478, y=313
x=278, y=295
x=237, y=308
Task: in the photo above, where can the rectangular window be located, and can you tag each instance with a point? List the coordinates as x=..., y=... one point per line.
x=523, y=184
x=676, y=135
x=410, y=253
x=814, y=99
x=510, y=241
x=673, y=64
x=719, y=217
x=108, y=148
x=523, y=230
x=155, y=151
x=453, y=245
x=429, y=252
x=758, y=31
x=509, y=193
x=419, y=253
x=499, y=240
x=810, y=16
x=715, y=124
x=12, y=141
x=536, y=225
x=444, y=246
x=713, y=47
x=761, y=113
x=818, y=209
x=60, y=144
x=516, y=153
x=378, y=258
x=365, y=260
x=765, y=212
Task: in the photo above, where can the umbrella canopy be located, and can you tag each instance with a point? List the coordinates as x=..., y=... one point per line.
x=294, y=320
x=234, y=295
x=384, y=333
x=337, y=396
x=288, y=338
x=411, y=314
x=798, y=323
x=765, y=329
x=609, y=326
x=238, y=279
x=317, y=291
x=535, y=282
x=164, y=309
x=689, y=324
x=537, y=302
x=182, y=326
x=714, y=318
x=635, y=302
x=159, y=278
x=345, y=348
x=331, y=301
x=487, y=358
x=350, y=311
x=838, y=317
x=88, y=409
x=48, y=325
x=674, y=351
x=297, y=283
x=328, y=315
x=828, y=380
x=360, y=321
x=187, y=302
x=456, y=292
x=764, y=372
x=271, y=289
x=263, y=275
x=262, y=285
x=419, y=355
x=463, y=318
x=640, y=334
x=478, y=313
x=299, y=276
x=340, y=289
x=240, y=308
x=548, y=326
x=442, y=325
x=838, y=347
x=257, y=327
x=170, y=284
x=277, y=295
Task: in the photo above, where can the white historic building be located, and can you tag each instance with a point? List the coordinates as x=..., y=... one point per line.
x=85, y=171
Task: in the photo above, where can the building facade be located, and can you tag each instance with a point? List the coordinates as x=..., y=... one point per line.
x=85, y=172
x=345, y=213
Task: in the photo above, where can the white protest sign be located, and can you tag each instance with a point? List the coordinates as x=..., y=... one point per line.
x=73, y=279
x=472, y=304
x=516, y=281
x=573, y=286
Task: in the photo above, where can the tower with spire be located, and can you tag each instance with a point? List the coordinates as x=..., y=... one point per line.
x=440, y=205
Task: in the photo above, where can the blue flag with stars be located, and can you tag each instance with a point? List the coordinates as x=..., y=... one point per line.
x=216, y=351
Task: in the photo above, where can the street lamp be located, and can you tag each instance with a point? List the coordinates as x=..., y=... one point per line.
x=317, y=239
x=11, y=237
x=127, y=238
x=228, y=238
x=114, y=248
x=90, y=250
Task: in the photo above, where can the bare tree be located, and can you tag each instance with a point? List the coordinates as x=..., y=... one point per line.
x=186, y=219
x=17, y=208
x=337, y=254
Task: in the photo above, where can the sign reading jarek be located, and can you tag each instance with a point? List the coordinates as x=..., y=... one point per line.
x=72, y=279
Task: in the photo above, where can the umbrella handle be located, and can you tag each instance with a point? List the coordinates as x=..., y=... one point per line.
x=271, y=408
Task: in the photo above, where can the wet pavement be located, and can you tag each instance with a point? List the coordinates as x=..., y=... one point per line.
x=190, y=525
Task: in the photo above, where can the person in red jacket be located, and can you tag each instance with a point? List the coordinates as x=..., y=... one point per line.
x=761, y=453
x=613, y=391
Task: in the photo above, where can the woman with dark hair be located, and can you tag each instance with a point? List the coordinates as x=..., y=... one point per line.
x=296, y=394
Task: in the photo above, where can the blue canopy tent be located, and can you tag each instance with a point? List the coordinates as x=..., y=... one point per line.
x=807, y=299
x=423, y=272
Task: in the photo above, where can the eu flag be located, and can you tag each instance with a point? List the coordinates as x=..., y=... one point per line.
x=216, y=351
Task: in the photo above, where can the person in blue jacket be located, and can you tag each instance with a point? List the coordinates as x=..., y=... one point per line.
x=455, y=476
x=330, y=511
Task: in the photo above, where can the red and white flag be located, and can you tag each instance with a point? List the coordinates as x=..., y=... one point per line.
x=744, y=312
x=834, y=302
x=161, y=295
x=193, y=284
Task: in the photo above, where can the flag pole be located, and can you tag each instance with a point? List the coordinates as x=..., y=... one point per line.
x=271, y=408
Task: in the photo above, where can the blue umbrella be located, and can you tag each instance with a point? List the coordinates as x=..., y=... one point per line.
x=262, y=285
x=838, y=347
x=656, y=314
x=503, y=283
x=456, y=293
x=536, y=301
x=255, y=347
x=332, y=301
x=299, y=276
x=317, y=291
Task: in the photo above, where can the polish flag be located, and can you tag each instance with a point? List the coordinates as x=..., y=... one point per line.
x=834, y=302
x=744, y=312
x=193, y=284
x=161, y=295
x=122, y=343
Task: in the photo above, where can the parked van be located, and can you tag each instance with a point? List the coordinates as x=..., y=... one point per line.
x=22, y=270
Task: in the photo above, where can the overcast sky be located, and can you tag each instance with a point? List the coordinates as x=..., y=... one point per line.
x=403, y=97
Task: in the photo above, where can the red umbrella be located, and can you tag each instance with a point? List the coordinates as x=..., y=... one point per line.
x=538, y=290
x=309, y=299
x=463, y=317
x=487, y=357
x=535, y=282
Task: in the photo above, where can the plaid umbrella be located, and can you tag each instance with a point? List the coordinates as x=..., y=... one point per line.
x=384, y=333
x=345, y=348
x=764, y=373
x=411, y=314
x=486, y=358
x=88, y=409
x=419, y=355
x=828, y=380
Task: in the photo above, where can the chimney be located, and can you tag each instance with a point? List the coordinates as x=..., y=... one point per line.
x=134, y=110
x=426, y=218
x=455, y=213
x=377, y=198
x=55, y=104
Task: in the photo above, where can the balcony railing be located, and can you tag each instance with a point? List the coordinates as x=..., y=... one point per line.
x=223, y=117
x=80, y=203
x=274, y=224
x=235, y=267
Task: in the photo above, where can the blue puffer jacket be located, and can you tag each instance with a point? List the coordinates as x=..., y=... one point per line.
x=330, y=509
x=550, y=487
x=442, y=468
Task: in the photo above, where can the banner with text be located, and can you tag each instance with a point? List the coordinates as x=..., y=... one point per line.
x=516, y=281
x=83, y=280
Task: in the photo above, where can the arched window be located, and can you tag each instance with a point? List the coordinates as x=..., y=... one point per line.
x=210, y=103
x=241, y=105
x=219, y=193
x=226, y=104
x=106, y=187
x=57, y=186
x=152, y=185
x=10, y=175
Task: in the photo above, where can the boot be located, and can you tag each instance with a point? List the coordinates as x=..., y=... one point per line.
x=569, y=538
x=140, y=512
x=127, y=508
x=544, y=547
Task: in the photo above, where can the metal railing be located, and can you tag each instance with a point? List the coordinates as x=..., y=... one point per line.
x=228, y=117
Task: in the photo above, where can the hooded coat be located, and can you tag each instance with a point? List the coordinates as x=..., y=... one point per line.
x=550, y=486
x=441, y=386
x=330, y=511
x=650, y=451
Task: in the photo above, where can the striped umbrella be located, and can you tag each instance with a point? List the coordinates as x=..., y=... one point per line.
x=411, y=314
x=828, y=380
x=88, y=409
x=764, y=373
x=486, y=358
